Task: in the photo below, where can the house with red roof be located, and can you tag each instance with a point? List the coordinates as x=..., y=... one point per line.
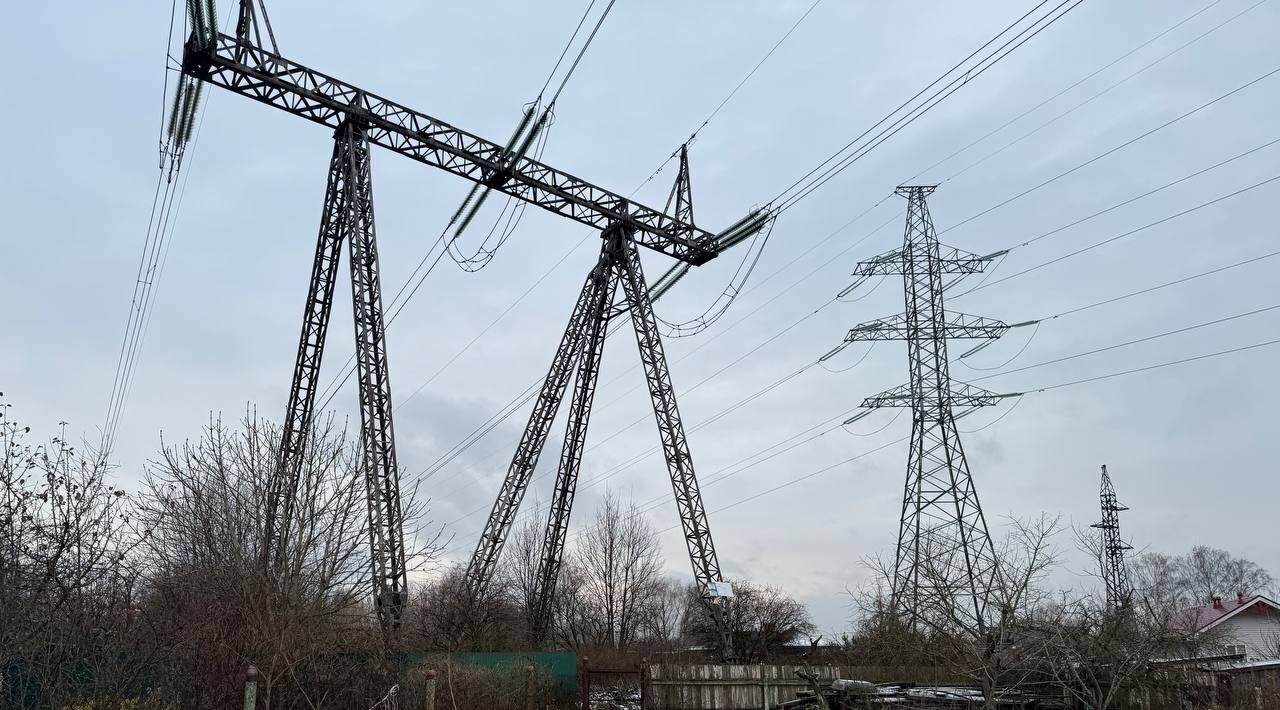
x=1246, y=629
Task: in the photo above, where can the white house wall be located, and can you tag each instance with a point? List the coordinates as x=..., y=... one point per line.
x=1260, y=635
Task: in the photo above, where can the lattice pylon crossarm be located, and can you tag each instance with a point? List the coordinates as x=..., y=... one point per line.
x=269, y=78
x=898, y=263
x=898, y=327
x=960, y=395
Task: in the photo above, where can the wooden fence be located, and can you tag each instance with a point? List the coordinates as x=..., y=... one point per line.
x=753, y=687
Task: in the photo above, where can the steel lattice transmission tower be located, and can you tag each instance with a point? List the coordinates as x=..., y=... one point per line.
x=580, y=350
x=944, y=558
x=359, y=118
x=1115, y=574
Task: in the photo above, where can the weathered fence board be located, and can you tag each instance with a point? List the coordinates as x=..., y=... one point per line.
x=751, y=687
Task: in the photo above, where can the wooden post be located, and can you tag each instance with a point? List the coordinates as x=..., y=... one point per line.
x=251, y=688
x=644, y=679
x=764, y=689
x=585, y=682
x=528, y=687
x=429, y=692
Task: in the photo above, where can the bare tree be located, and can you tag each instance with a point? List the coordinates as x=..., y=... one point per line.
x=881, y=635
x=1156, y=582
x=1097, y=656
x=519, y=572
x=994, y=648
x=1206, y=572
x=621, y=567
x=666, y=612
x=573, y=621
x=762, y=620
x=447, y=617
x=1097, y=653
x=1169, y=583
x=68, y=580
x=224, y=607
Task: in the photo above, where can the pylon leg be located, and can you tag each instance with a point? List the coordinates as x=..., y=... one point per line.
x=592, y=346
x=377, y=433
x=484, y=560
x=675, y=446
x=306, y=369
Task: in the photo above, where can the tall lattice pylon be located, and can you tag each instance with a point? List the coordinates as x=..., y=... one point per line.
x=347, y=217
x=945, y=563
x=1115, y=574
x=580, y=349
x=244, y=64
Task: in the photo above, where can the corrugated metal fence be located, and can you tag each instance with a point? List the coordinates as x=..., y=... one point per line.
x=752, y=687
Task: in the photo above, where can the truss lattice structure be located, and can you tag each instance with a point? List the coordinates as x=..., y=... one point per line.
x=1115, y=573
x=360, y=119
x=580, y=350
x=347, y=217
x=945, y=562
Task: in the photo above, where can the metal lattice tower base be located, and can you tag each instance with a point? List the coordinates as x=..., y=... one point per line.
x=1115, y=574
x=945, y=563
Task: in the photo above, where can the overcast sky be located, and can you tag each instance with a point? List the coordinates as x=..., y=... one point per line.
x=1191, y=447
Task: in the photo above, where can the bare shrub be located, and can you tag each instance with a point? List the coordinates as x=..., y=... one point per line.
x=305, y=623
x=69, y=631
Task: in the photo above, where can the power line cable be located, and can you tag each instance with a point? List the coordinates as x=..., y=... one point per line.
x=1128, y=233
x=1216, y=321
x=906, y=103
x=567, y=46
x=790, y=196
x=1157, y=366
x=693, y=136
x=170, y=189
x=768, y=388
x=823, y=306
x=1047, y=388
x=1135, y=293
x=774, y=274
x=1108, y=89
x=1063, y=91
x=582, y=52
x=1114, y=149
x=1135, y=341
x=1054, y=19
x=1166, y=284
x=741, y=465
x=759, y=346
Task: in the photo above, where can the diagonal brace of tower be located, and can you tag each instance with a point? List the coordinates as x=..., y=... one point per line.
x=1115, y=574
x=580, y=349
x=945, y=559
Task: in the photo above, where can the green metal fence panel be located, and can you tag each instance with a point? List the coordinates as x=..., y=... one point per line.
x=562, y=666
